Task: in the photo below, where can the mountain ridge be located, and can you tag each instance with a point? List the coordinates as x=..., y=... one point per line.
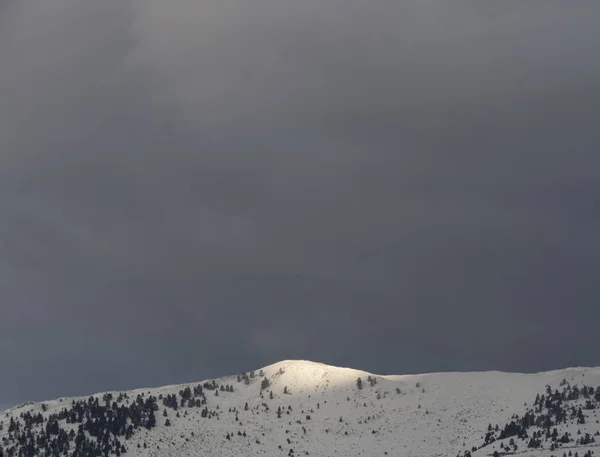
x=300, y=406
x=424, y=374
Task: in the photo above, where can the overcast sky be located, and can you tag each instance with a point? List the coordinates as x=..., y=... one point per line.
x=190, y=188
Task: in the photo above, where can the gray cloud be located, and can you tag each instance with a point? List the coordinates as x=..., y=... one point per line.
x=192, y=189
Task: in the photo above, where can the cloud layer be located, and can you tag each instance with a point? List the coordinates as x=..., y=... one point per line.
x=190, y=189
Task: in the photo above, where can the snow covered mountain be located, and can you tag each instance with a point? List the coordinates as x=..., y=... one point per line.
x=306, y=408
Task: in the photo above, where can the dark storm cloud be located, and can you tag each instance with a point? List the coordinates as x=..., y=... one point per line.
x=191, y=189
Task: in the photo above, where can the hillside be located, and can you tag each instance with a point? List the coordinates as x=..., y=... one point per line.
x=306, y=408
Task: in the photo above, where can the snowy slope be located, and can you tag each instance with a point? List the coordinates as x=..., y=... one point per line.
x=324, y=413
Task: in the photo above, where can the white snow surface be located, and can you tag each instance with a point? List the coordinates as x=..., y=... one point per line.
x=437, y=414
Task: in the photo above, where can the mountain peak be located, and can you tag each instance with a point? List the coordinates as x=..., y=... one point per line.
x=311, y=368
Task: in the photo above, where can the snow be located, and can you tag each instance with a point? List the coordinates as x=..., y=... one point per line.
x=437, y=414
